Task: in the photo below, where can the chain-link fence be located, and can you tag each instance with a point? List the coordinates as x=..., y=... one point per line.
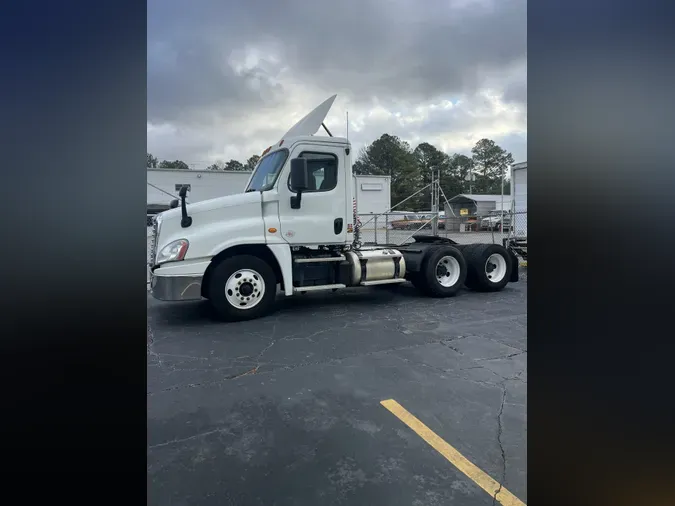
x=398, y=228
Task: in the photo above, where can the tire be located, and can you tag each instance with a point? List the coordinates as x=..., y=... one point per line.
x=481, y=276
x=442, y=273
x=229, y=294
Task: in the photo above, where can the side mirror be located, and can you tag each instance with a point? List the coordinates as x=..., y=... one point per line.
x=185, y=220
x=299, y=180
x=299, y=176
x=173, y=204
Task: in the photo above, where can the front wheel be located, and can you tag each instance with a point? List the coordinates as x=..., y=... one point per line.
x=242, y=288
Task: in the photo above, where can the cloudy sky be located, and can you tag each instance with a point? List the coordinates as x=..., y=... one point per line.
x=227, y=78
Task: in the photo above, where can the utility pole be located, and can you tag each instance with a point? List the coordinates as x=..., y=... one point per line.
x=435, y=198
x=501, y=222
x=469, y=178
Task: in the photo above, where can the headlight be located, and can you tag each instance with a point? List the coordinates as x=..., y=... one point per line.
x=173, y=252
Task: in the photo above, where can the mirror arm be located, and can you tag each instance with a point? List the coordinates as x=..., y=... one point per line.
x=186, y=220
x=296, y=200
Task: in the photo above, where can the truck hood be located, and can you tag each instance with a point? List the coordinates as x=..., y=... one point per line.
x=237, y=199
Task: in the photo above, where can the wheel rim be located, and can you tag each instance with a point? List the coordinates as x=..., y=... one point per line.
x=244, y=289
x=447, y=271
x=495, y=268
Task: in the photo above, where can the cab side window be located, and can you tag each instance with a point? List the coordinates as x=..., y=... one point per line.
x=323, y=171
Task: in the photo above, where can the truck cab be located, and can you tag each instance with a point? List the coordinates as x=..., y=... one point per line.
x=293, y=228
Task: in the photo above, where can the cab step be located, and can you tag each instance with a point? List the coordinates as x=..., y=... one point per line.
x=316, y=288
x=319, y=259
x=383, y=282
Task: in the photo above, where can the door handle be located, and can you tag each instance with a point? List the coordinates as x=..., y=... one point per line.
x=337, y=225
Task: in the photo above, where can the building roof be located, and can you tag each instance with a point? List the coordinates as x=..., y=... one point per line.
x=195, y=171
x=519, y=165
x=480, y=198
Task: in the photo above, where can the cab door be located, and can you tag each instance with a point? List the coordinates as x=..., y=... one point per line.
x=321, y=218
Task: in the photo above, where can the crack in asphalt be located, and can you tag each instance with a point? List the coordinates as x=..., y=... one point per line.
x=149, y=347
x=501, y=446
x=502, y=357
x=450, y=372
x=188, y=438
x=294, y=367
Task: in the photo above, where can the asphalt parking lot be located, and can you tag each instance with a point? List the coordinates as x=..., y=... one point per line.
x=287, y=409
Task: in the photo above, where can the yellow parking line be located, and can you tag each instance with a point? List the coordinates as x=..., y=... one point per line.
x=481, y=479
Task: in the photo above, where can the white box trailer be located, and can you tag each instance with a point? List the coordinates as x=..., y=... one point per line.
x=372, y=193
x=519, y=199
x=373, y=198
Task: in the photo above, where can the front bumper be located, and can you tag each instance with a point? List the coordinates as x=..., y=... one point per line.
x=175, y=288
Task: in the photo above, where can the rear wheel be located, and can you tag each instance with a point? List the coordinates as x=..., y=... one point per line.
x=488, y=267
x=442, y=272
x=242, y=288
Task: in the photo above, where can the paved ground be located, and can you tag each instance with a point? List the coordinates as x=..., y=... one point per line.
x=286, y=409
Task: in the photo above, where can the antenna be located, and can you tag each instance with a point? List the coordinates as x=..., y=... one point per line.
x=347, y=125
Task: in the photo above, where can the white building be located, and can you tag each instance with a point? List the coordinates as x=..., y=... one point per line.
x=466, y=204
x=372, y=193
x=519, y=197
x=203, y=184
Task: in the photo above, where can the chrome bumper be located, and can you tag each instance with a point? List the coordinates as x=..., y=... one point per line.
x=176, y=287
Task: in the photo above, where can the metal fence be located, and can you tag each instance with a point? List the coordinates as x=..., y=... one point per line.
x=395, y=228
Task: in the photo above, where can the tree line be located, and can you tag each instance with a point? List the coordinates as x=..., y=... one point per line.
x=154, y=163
x=411, y=169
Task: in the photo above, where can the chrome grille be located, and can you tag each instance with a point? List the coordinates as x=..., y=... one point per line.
x=153, y=242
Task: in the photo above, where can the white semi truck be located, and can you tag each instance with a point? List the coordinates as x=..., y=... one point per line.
x=294, y=228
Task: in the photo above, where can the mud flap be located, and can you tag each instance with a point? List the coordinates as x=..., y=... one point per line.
x=514, y=266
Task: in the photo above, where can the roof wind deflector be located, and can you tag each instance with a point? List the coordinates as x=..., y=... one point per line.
x=311, y=123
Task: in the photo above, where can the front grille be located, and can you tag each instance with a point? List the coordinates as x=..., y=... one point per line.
x=153, y=242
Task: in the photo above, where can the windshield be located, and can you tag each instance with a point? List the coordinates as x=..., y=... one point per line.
x=266, y=172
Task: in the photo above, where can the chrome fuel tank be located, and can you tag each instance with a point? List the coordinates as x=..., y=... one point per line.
x=375, y=265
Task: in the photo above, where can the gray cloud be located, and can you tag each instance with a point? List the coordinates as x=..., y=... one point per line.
x=212, y=63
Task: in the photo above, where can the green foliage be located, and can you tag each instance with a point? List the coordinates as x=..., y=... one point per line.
x=234, y=165
x=176, y=164
x=490, y=162
x=430, y=159
x=411, y=171
x=152, y=161
x=391, y=156
x=252, y=162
